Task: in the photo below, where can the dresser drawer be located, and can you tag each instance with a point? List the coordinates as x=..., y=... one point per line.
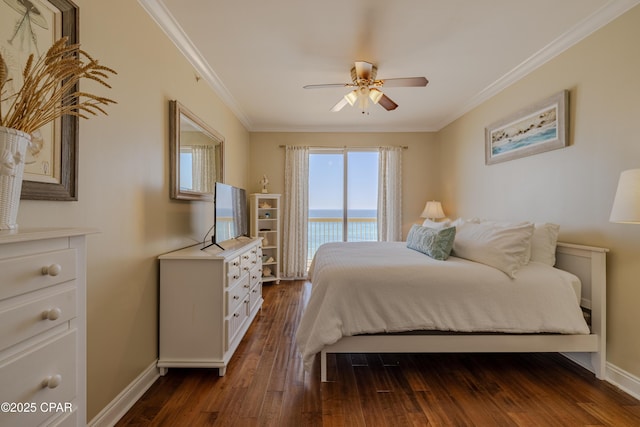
x=247, y=260
x=255, y=254
x=29, y=273
x=255, y=275
x=54, y=360
x=236, y=296
x=233, y=324
x=255, y=296
x=24, y=317
x=233, y=271
x=68, y=420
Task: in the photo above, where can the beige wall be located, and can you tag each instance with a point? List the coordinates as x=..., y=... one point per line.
x=124, y=188
x=574, y=186
x=420, y=162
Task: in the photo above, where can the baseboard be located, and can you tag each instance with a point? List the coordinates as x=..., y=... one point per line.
x=620, y=378
x=119, y=406
x=624, y=380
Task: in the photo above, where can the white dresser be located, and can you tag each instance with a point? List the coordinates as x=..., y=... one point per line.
x=208, y=299
x=43, y=327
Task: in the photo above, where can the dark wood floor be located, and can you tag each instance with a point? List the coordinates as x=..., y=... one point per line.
x=266, y=385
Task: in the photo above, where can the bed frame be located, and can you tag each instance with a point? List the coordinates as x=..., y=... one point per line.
x=589, y=351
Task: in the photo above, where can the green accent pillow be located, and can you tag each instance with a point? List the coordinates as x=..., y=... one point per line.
x=430, y=241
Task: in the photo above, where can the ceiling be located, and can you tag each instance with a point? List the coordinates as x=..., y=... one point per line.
x=258, y=55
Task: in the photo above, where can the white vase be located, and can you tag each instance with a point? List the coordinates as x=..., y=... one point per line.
x=13, y=149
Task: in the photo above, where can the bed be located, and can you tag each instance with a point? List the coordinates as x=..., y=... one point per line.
x=370, y=297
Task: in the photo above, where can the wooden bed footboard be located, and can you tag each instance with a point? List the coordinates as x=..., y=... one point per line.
x=589, y=351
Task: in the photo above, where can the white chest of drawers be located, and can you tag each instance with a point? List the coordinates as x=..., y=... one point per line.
x=208, y=299
x=43, y=327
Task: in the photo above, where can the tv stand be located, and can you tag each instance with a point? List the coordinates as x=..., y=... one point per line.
x=213, y=244
x=208, y=299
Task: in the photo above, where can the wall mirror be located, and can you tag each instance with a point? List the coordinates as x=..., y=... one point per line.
x=196, y=155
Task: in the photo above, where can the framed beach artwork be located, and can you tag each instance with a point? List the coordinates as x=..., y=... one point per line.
x=30, y=27
x=538, y=128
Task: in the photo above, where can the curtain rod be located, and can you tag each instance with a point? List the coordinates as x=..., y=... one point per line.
x=327, y=147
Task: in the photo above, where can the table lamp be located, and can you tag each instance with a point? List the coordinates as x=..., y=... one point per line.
x=626, y=204
x=432, y=210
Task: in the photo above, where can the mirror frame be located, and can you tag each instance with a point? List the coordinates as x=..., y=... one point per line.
x=176, y=110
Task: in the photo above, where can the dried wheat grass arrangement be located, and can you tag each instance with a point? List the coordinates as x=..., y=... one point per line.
x=50, y=88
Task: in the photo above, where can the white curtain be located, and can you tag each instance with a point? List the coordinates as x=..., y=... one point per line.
x=390, y=194
x=204, y=168
x=296, y=212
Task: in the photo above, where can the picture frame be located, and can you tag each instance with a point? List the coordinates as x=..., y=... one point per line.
x=538, y=128
x=32, y=28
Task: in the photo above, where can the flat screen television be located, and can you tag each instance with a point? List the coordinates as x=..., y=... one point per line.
x=231, y=220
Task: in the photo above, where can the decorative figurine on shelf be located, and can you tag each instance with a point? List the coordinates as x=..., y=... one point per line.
x=265, y=205
x=264, y=182
x=266, y=272
x=265, y=241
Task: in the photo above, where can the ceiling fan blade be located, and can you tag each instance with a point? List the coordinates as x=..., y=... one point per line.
x=343, y=101
x=321, y=86
x=405, y=82
x=363, y=70
x=387, y=103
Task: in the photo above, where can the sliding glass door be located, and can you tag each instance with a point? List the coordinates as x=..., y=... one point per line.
x=343, y=197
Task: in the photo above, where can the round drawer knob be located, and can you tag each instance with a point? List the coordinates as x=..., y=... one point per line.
x=236, y=297
x=52, y=314
x=52, y=270
x=52, y=381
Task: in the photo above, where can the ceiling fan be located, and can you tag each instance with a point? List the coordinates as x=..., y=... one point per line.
x=363, y=76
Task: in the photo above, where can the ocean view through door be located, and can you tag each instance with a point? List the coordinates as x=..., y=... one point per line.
x=343, y=197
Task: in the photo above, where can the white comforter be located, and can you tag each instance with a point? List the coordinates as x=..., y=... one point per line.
x=373, y=287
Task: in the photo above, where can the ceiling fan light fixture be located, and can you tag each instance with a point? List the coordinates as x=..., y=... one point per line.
x=375, y=95
x=351, y=97
x=363, y=77
x=363, y=104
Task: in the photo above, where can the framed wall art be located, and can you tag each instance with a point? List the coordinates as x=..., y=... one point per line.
x=31, y=27
x=541, y=127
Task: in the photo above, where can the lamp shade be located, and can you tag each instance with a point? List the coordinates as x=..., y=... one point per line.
x=626, y=205
x=433, y=210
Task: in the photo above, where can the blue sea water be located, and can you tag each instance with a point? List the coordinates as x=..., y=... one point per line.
x=337, y=213
x=526, y=141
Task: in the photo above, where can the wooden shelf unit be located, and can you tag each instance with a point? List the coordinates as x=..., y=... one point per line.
x=265, y=222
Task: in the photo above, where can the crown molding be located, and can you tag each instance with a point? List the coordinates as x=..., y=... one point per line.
x=161, y=15
x=578, y=32
x=604, y=15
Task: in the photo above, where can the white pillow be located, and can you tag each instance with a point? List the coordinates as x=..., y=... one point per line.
x=460, y=221
x=543, y=243
x=501, y=247
x=437, y=225
x=527, y=255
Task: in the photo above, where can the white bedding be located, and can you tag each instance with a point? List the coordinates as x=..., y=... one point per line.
x=373, y=287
